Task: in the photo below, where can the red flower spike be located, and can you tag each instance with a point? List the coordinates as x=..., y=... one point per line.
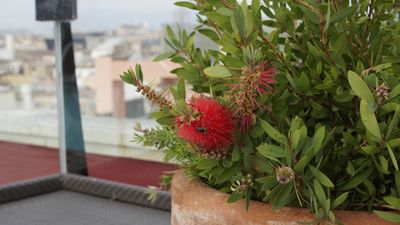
x=267, y=74
x=247, y=122
x=211, y=130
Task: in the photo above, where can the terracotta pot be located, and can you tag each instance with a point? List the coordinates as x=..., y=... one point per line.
x=194, y=203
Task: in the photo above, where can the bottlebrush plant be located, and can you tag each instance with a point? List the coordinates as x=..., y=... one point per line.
x=299, y=106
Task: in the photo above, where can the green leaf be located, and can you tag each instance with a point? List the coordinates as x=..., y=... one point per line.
x=180, y=89
x=397, y=180
x=163, y=56
x=240, y=22
x=343, y=13
x=273, y=133
x=350, y=169
x=283, y=197
x=332, y=217
x=263, y=166
x=319, y=68
x=392, y=157
x=301, y=164
x=391, y=217
x=393, y=123
x=190, y=41
x=170, y=34
x=248, y=17
x=159, y=114
x=227, y=163
x=315, y=51
x=370, y=149
x=319, y=192
x=139, y=73
x=217, y=71
x=188, y=5
x=271, y=150
x=327, y=205
x=291, y=80
x=209, y=33
x=303, y=83
x=207, y=164
x=218, y=18
x=255, y=6
x=382, y=66
x=165, y=120
x=372, y=106
x=248, y=161
x=328, y=17
x=180, y=106
x=128, y=77
x=359, y=87
x=317, y=139
x=224, y=11
x=393, y=201
x=357, y=180
x=321, y=177
x=177, y=59
x=234, y=197
x=394, y=142
x=384, y=164
x=268, y=12
x=299, y=137
x=230, y=61
x=339, y=200
x=227, y=174
x=369, y=120
x=236, y=153
x=248, y=198
x=174, y=93
x=288, y=155
x=267, y=180
x=395, y=92
x=328, y=137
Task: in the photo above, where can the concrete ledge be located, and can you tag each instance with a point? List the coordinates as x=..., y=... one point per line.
x=103, y=135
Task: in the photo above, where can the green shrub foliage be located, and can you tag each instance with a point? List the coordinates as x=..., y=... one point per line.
x=327, y=135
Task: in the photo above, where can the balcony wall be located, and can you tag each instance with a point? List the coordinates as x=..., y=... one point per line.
x=103, y=135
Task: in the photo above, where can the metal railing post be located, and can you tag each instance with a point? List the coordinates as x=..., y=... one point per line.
x=71, y=145
x=60, y=98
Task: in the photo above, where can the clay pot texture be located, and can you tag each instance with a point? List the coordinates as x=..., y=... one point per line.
x=194, y=203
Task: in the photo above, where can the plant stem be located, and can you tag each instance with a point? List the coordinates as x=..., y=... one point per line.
x=226, y=4
x=323, y=38
x=367, y=30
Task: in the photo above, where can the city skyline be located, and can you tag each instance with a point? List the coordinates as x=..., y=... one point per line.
x=93, y=15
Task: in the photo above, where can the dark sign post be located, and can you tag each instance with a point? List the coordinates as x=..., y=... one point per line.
x=71, y=145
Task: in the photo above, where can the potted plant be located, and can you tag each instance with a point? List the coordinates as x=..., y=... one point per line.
x=298, y=108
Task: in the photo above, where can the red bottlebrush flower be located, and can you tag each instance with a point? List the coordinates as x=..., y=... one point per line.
x=211, y=128
x=247, y=122
x=267, y=74
x=255, y=81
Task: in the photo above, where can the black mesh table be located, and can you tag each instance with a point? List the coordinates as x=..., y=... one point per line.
x=78, y=200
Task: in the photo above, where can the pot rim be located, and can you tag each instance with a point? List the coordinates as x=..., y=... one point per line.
x=190, y=194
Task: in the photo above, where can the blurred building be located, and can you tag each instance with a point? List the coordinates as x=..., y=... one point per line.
x=113, y=97
x=27, y=68
x=7, y=98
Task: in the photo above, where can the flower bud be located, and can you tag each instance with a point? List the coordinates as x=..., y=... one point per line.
x=381, y=92
x=284, y=174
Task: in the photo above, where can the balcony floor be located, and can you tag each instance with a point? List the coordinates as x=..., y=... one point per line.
x=78, y=208
x=20, y=162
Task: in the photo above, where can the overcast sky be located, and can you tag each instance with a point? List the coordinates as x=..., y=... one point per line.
x=92, y=14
